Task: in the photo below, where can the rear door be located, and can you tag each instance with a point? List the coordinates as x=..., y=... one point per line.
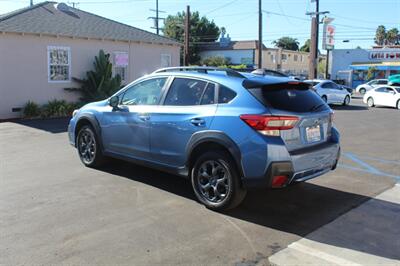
x=314, y=125
x=329, y=91
x=189, y=107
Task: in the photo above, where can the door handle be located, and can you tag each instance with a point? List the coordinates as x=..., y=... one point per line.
x=198, y=122
x=144, y=117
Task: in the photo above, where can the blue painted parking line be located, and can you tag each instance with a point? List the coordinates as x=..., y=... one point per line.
x=367, y=168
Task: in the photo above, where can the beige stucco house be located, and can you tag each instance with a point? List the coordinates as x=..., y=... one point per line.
x=44, y=46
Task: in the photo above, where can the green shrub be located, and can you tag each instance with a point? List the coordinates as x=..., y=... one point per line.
x=216, y=61
x=99, y=83
x=31, y=110
x=55, y=108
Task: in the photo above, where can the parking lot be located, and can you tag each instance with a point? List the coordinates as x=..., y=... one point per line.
x=54, y=210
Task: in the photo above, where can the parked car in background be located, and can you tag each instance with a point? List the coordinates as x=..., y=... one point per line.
x=330, y=92
x=226, y=131
x=394, y=80
x=383, y=96
x=363, y=88
x=350, y=90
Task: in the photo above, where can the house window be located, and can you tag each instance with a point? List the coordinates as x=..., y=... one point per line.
x=295, y=57
x=165, y=60
x=59, y=64
x=273, y=58
x=284, y=57
x=121, y=61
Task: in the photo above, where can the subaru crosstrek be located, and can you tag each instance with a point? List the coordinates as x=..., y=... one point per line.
x=226, y=131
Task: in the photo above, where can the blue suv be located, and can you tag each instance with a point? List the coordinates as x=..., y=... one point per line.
x=226, y=131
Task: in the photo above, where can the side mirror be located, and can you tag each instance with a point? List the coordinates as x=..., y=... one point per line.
x=114, y=101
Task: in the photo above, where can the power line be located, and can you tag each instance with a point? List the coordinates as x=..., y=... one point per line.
x=218, y=8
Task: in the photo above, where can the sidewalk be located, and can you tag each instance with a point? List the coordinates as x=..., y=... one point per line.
x=366, y=235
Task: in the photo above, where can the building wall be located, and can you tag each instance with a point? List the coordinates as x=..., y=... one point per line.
x=24, y=66
x=296, y=62
x=341, y=59
x=235, y=56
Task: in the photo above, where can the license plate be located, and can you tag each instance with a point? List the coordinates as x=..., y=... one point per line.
x=313, y=133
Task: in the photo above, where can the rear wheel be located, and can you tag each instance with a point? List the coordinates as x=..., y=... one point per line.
x=346, y=100
x=363, y=91
x=215, y=181
x=88, y=147
x=370, y=102
x=398, y=104
x=325, y=98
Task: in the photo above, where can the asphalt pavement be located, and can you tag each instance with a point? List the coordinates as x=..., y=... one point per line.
x=56, y=211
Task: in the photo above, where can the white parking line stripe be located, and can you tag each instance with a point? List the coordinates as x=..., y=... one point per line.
x=322, y=255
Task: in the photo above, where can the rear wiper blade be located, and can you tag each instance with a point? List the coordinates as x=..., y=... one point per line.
x=316, y=107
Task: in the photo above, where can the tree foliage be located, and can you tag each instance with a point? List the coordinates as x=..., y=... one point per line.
x=306, y=46
x=390, y=37
x=287, y=43
x=99, y=83
x=371, y=72
x=201, y=30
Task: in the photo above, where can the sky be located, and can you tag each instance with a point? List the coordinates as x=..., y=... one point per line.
x=355, y=20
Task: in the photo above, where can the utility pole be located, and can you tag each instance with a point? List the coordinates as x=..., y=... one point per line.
x=157, y=18
x=312, y=57
x=187, y=32
x=327, y=65
x=260, y=46
x=316, y=37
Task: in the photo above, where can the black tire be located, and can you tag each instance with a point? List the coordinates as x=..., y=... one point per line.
x=362, y=91
x=370, y=102
x=88, y=147
x=325, y=98
x=398, y=104
x=216, y=182
x=346, y=100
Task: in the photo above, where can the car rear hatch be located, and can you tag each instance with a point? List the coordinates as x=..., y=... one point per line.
x=307, y=117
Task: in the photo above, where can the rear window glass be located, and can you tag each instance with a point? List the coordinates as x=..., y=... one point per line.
x=290, y=98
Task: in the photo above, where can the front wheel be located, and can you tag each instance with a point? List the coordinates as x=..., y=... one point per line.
x=398, y=104
x=215, y=181
x=346, y=100
x=88, y=147
x=370, y=102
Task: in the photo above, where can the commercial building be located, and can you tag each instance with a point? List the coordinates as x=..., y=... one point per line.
x=43, y=47
x=351, y=65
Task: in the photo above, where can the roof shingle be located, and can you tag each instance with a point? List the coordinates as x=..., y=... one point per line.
x=46, y=18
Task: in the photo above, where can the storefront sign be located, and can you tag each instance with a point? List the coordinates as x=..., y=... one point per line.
x=387, y=55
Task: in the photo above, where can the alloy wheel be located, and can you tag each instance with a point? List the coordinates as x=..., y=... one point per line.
x=213, y=181
x=87, y=146
x=370, y=102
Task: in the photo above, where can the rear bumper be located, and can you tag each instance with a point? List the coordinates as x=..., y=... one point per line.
x=304, y=165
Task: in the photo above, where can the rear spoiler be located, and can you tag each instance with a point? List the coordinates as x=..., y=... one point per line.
x=287, y=84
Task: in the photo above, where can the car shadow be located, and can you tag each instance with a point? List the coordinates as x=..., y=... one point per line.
x=299, y=209
x=52, y=125
x=349, y=107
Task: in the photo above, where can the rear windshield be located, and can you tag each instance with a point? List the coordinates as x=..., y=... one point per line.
x=292, y=98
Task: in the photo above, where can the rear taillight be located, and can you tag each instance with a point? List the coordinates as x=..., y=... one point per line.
x=270, y=125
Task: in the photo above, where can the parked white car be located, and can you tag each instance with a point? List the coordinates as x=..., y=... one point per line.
x=384, y=96
x=330, y=92
x=363, y=88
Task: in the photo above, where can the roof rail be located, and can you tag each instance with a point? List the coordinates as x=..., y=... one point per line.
x=229, y=72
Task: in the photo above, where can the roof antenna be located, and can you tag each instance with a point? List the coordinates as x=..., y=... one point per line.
x=31, y=2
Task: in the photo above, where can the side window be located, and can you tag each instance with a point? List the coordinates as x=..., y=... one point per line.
x=209, y=95
x=381, y=89
x=185, y=92
x=373, y=82
x=225, y=95
x=384, y=82
x=147, y=92
x=389, y=90
x=327, y=85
